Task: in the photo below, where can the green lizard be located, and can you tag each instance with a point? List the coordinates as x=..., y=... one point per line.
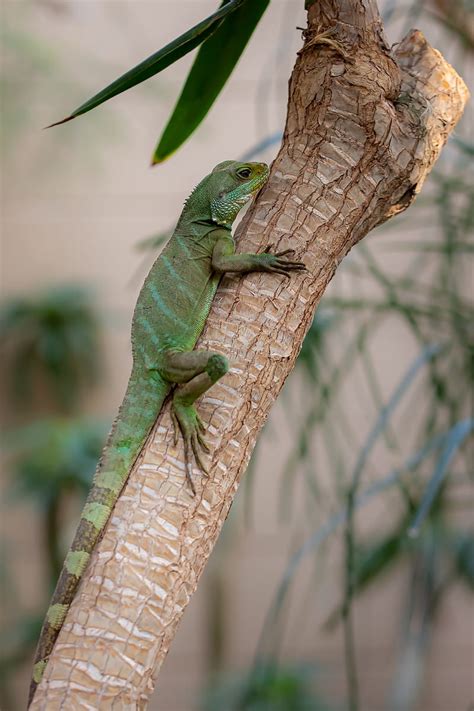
x=169, y=317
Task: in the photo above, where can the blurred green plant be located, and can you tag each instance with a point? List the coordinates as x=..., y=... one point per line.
x=52, y=454
x=28, y=59
x=52, y=337
x=23, y=55
x=453, y=547
x=17, y=641
x=51, y=459
x=267, y=688
x=50, y=342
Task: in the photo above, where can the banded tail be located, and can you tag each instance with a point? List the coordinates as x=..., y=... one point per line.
x=138, y=412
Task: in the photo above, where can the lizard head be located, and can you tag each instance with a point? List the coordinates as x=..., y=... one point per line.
x=231, y=185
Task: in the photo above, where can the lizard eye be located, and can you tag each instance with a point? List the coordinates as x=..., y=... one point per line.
x=244, y=173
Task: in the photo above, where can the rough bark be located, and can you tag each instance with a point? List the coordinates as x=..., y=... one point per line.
x=362, y=133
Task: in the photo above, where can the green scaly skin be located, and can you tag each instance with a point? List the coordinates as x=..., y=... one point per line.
x=169, y=317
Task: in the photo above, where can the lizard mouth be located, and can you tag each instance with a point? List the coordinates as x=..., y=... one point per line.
x=242, y=195
x=261, y=179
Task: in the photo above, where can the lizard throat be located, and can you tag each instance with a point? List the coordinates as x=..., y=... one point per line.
x=224, y=209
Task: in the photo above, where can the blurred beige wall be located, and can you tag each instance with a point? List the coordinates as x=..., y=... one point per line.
x=75, y=201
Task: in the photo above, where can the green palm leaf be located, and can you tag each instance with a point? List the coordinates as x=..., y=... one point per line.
x=212, y=67
x=159, y=60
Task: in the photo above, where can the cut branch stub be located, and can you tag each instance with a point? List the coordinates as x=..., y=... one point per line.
x=361, y=136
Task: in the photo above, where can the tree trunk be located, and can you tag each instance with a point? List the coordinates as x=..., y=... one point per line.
x=364, y=128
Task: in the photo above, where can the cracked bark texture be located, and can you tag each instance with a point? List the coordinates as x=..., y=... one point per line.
x=363, y=131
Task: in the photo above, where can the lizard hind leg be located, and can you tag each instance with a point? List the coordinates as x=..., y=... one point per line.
x=194, y=372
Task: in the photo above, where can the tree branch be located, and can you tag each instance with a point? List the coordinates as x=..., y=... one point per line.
x=363, y=130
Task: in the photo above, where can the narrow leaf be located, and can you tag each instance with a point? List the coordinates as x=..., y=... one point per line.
x=456, y=438
x=338, y=519
x=464, y=554
x=212, y=67
x=159, y=60
x=371, y=561
x=386, y=412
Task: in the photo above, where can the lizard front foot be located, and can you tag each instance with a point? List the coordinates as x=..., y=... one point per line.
x=187, y=421
x=278, y=262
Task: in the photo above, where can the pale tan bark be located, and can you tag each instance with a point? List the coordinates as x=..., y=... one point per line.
x=361, y=136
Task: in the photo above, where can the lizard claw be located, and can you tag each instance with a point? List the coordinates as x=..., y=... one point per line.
x=188, y=422
x=202, y=442
x=200, y=424
x=188, y=466
x=176, y=428
x=195, y=444
x=277, y=262
x=284, y=252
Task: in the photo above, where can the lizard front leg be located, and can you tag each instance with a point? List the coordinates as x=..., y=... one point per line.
x=194, y=372
x=224, y=259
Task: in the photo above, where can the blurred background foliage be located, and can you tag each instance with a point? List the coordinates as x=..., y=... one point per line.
x=50, y=347
x=52, y=338
x=50, y=342
x=268, y=688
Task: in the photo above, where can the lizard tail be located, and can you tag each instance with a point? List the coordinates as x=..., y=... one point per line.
x=137, y=414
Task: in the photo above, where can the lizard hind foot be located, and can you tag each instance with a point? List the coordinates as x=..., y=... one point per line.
x=187, y=422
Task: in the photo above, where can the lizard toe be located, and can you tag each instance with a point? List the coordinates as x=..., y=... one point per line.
x=197, y=454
